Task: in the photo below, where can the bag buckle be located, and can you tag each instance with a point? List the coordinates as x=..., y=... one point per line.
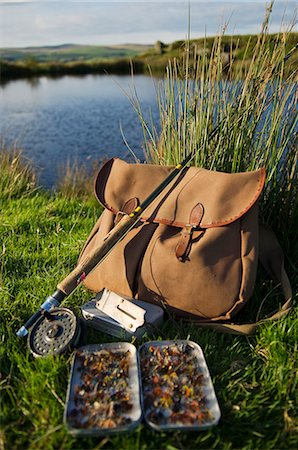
x=184, y=245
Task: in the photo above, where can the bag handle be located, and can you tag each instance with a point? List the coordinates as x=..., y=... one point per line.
x=272, y=259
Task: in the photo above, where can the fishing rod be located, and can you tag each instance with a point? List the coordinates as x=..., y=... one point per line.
x=75, y=278
x=127, y=223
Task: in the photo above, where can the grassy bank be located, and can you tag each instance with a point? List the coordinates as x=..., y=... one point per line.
x=41, y=236
x=69, y=60
x=236, y=54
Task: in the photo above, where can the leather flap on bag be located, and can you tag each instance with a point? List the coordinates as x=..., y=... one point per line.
x=224, y=196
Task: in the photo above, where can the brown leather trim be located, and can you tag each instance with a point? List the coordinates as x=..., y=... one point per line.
x=103, y=176
x=165, y=222
x=223, y=222
x=100, y=184
x=232, y=219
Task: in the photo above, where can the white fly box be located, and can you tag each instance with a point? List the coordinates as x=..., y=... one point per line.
x=121, y=316
x=103, y=394
x=177, y=390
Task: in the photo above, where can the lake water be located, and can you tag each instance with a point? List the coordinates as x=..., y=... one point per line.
x=74, y=119
x=78, y=120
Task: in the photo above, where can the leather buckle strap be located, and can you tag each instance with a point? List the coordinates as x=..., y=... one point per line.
x=184, y=245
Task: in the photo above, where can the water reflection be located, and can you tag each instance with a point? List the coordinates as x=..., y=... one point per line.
x=71, y=119
x=33, y=82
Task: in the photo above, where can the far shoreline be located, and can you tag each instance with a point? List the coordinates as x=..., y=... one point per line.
x=79, y=60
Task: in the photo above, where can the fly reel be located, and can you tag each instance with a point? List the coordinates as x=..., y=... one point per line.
x=54, y=333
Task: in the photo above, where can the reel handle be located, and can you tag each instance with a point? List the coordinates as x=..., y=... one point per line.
x=52, y=301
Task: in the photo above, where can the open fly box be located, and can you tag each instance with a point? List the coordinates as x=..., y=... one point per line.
x=103, y=393
x=111, y=386
x=177, y=391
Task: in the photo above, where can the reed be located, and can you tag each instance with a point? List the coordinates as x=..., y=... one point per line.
x=257, y=116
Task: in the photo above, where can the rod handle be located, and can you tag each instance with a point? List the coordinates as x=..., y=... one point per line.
x=50, y=302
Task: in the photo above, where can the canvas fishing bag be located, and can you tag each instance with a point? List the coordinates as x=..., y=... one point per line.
x=195, y=250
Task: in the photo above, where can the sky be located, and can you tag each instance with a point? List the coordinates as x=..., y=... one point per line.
x=38, y=23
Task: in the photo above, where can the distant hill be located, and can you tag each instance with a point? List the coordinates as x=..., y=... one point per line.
x=72, y=52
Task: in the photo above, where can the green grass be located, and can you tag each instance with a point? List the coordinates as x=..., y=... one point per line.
x=255, y=378
x=41, y=235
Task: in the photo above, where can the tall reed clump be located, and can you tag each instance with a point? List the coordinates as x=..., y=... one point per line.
x=254, y=107
x=17, y=176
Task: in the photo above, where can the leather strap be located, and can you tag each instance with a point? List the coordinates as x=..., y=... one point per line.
x=184, y=245
x=272, y=259
x=128, y=207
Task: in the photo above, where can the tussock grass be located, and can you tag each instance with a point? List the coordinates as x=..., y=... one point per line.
x=77, y=181
x=17, y=175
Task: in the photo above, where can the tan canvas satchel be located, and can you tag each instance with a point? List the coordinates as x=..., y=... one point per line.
x=195, y=250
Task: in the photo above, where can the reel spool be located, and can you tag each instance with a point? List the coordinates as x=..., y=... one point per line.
x=55, y=333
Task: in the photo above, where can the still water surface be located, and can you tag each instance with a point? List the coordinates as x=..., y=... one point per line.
x=74, y=119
